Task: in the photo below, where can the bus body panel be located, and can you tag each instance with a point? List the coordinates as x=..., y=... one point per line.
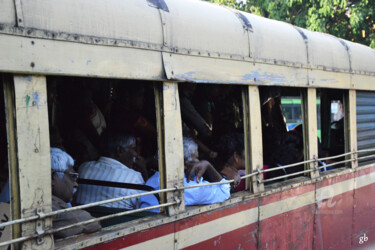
x=326, y=214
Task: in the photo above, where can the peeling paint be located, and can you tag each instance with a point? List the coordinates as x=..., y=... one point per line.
x=88, y=61
x=36, y=99
x=29, y=79
x=256, y=76
x=27, y=102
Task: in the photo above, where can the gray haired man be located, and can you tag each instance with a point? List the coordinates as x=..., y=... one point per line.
x=64, y=180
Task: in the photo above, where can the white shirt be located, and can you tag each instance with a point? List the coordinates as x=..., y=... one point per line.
x=193, y=196
x=108, y=169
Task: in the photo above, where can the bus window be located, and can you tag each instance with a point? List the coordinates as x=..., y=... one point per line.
x=282, y=132
x=109, y=128
x=4, y=171
x=331, y=112
x=212, y=116
x=365, y=126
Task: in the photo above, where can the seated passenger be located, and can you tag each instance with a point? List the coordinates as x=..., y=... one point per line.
x=64, y=180
x=231, y=156
x=194, y=170
x=116, y=165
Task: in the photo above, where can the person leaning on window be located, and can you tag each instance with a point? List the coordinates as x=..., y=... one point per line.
x=64, y=180
x=195, y=170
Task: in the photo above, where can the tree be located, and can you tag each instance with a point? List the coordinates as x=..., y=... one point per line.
x=350, y=20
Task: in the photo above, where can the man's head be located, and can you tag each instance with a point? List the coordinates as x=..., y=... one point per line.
x=64, y=178
x=231, y=150
x=190, y=150
x=121, y=147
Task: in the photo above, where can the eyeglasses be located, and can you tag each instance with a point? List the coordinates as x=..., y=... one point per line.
x=73, y=176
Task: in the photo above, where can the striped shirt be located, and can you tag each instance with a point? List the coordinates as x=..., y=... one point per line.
x=108, y=169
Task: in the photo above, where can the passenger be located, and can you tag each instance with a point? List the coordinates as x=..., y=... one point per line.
x=127, y=116
x=194, y=170
x=64, y=180
x=231, y=156
x=118, y=164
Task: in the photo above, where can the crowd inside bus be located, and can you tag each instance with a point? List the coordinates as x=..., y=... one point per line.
x=105, y=130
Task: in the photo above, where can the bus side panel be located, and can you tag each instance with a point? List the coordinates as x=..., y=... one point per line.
x=364, y=210
x=242, y=238
x=220, y=228
x=161, y=237
x=334, y=213
x=287, y=219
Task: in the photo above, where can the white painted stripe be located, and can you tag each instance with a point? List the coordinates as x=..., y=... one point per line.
x=160, y=243
x=334, y=189
x=364, y=180
x=286, y=205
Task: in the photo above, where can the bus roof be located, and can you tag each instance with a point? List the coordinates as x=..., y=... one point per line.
x=187, y=40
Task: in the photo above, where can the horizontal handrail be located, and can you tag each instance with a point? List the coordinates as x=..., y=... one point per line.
x=176, y=188
x=51, y=231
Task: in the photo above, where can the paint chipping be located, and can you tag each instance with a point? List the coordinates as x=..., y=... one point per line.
x=88, y=61
x=29, y=79
x=36, y=99
x=27, y=102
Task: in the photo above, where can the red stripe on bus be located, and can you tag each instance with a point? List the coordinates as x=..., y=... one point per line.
x=242, y=238
x=364, y=217
x=334, y=180
x=365, y=171
x=289, y=230
x=275, y=197
x=333, y=222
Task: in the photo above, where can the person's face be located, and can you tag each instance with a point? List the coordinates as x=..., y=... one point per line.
x=239, y=160
x=127, y=155
x=63, y=187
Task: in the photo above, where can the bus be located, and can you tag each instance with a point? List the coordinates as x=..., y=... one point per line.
x=52, y=52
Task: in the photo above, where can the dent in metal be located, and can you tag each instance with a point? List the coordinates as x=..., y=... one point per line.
x=159, y=4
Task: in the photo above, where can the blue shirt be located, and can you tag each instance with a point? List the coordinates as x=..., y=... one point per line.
x=4, y=195
x=193, y=196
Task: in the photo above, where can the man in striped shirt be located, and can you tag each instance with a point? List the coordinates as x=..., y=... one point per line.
x=116, y=165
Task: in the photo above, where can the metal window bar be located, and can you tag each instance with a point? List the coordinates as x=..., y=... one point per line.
x=51, y=231
x=42, y=216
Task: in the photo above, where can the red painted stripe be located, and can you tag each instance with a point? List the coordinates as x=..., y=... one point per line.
x=366, y=171
x=333, y=222
x=290, y=230
x=363, y=217
x=287, y=194
x=242, y=238
x=210, y=216
x=136, y=238
x=334, y=180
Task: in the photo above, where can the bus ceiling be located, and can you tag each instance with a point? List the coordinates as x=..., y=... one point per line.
x=175, y=40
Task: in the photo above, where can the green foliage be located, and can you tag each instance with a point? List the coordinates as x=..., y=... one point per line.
x=350, y=20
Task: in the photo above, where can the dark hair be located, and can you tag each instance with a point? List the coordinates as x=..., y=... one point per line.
x=111, y=140
x=228, y=145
